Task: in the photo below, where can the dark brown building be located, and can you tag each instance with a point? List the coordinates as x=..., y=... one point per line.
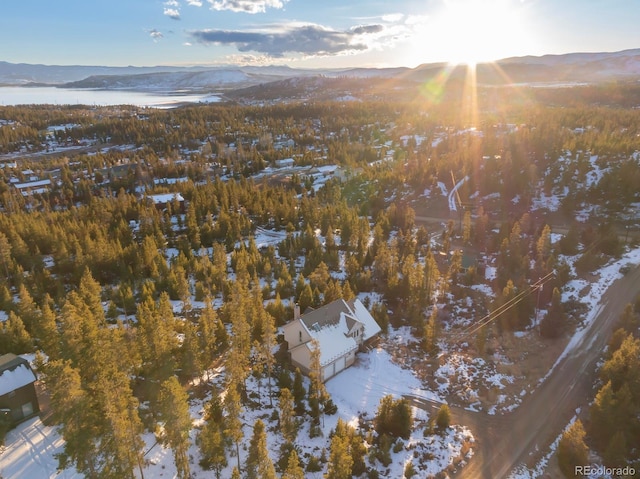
x=18, y=399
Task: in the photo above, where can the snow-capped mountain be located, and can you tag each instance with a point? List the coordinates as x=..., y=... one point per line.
x=577, y=67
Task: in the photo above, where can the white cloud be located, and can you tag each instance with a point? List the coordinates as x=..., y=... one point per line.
x=393, y=17
x=155, y=35
x=195, y=3
x=172, y=13
x=246, y=6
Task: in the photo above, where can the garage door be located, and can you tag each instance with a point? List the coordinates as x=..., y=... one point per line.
x=341, y=364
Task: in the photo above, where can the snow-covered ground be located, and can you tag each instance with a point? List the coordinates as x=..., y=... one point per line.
x=31, y=447
x=29, y=453
x=606, y=276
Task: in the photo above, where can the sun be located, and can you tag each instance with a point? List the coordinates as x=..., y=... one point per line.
x=473, y=31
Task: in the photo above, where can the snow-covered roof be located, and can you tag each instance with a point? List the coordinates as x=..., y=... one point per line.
x=332, y=340
x=32, y=184
x=330, y=324
x=14, y=374
x=166, y=198
x=362, y=314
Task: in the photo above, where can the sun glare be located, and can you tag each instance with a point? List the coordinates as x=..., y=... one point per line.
x=473, y=31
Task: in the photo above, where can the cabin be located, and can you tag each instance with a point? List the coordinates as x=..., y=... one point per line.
x=18, y=398
x=162, y=200
x=33, y=187
x=340, y=329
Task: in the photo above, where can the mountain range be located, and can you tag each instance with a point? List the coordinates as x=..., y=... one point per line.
x=573, y=67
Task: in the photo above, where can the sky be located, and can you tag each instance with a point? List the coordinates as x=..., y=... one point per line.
x=309, y=34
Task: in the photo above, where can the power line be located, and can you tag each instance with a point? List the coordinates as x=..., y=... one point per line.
x=503, y=308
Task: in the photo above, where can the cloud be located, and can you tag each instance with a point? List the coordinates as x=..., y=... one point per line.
x=247, y=6
x=172, y=9
x=306, y=39
x=364, y=29
x=393, y=17
x=155, y=35
x=172, y=13
x=195, y=3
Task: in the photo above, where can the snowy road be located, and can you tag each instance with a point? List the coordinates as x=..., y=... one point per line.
x=453, y=194
x=522, y=437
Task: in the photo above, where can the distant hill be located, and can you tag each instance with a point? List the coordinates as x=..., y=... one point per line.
x=572, y=67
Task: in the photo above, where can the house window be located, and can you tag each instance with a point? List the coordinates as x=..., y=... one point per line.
x=27, y=409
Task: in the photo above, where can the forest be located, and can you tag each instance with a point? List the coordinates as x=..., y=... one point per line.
x=130, y=307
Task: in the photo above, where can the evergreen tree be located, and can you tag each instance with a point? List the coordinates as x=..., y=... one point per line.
x=207, y=325
x=233, y=424
x=443, y=419
x=318, y=393
x=340, y=460
x=572, y=451
x=189, y=352
x=430, y=339
x=259, y=465
x=288, y=425
x=211, y=440
x=298, y=392
x=174, y=411
x=294, y=470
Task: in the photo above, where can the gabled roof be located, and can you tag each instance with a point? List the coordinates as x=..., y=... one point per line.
x=15, y=373
x=330, y=325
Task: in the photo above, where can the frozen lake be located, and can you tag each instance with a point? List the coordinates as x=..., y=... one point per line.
x=66, y=96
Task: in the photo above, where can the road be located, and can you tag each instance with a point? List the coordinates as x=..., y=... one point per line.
x=523, y=436
x=623, y=234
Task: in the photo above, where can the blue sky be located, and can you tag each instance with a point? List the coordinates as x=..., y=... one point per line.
x=303, y=33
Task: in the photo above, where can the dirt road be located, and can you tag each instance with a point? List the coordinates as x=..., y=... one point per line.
x=524, y=436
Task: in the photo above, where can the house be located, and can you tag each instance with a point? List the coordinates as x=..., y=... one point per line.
x=18, y=398
x=339, y=329
x=33, y=187
x=162, y=200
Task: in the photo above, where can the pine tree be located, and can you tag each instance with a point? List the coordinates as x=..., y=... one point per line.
x=294, y=470
x=233, y=425
x=240, y=348
x=47, y=332
x=572, y=451
x=124, y=443
x=156, y=338
x=340, y=460
x=211, y=439
x=17, y=339
x=430, y=333
x=74, y=411
x=189, y=352
x=5, y=254
x=443, y=419
x=174, y=411
x=266, y=347
x=259, y=465
x=288, y=425
x=207, y=325
x=318, y=393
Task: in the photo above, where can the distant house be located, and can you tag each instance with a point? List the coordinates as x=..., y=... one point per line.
x=33, y=187
x=285, y=163
x=161, y=201
x=340, y=329
x=18, y=398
